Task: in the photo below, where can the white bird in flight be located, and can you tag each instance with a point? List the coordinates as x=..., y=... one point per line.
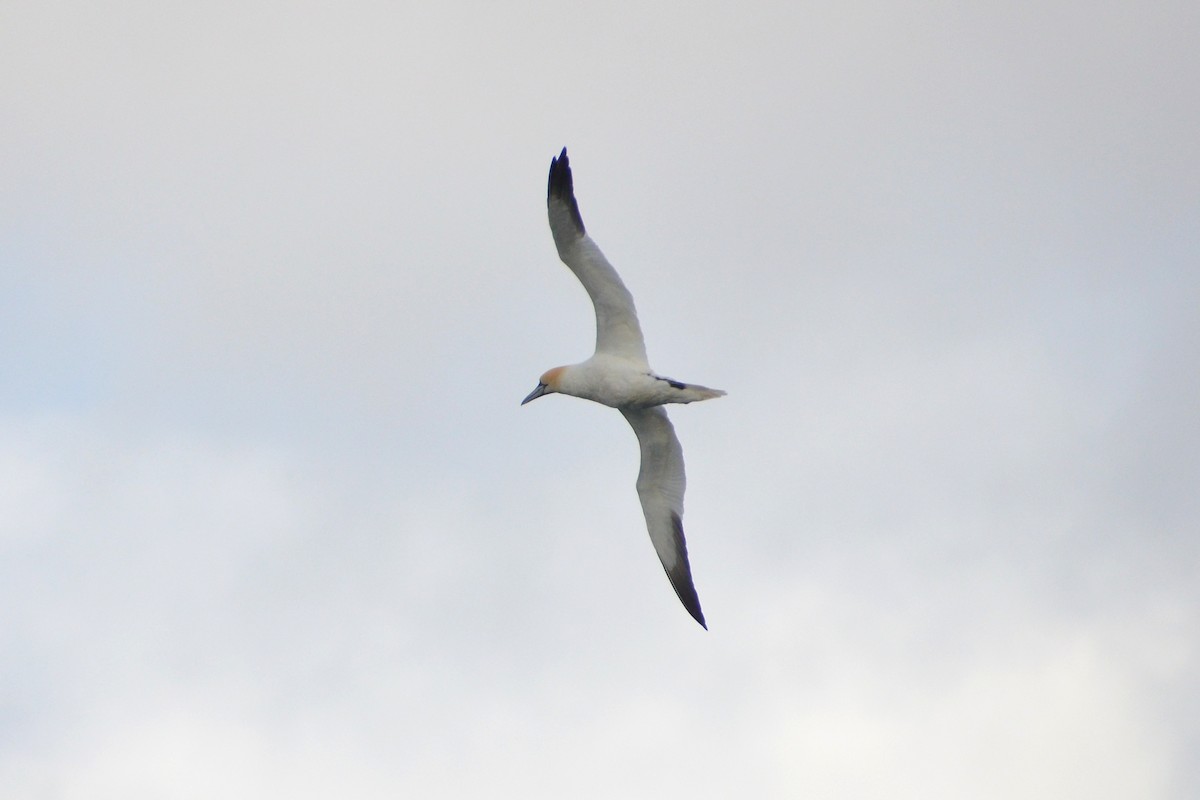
x=618, y=375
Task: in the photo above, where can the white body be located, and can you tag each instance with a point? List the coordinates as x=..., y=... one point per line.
x=622, y=383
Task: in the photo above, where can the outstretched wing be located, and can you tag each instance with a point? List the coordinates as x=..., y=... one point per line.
x=617, y=330
x=660, y=486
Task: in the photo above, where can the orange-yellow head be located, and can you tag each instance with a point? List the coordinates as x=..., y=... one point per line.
x=547, y=384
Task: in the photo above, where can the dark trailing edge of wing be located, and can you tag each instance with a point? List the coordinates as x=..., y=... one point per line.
x=674, y=384
x=681, y=575
x=562, y=187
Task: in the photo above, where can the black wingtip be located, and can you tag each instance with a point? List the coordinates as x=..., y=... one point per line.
x=562, y=187
x=681, y=576
x=686, y=591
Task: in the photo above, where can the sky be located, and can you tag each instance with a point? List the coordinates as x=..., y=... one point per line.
x=274, y=278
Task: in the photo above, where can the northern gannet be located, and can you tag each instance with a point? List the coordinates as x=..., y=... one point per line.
x=618, y=375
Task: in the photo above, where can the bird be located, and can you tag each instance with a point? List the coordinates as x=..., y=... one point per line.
x=618, y=375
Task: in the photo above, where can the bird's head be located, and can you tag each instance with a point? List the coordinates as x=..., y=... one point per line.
x=547, y=384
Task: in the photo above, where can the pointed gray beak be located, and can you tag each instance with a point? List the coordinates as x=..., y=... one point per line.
x=535, y=394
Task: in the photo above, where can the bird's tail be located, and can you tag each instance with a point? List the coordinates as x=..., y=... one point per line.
x=693, y=392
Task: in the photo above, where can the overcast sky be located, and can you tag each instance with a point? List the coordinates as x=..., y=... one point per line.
x=274, y=278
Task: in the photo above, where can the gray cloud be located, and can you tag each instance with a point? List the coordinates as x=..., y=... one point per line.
x=276, y=278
